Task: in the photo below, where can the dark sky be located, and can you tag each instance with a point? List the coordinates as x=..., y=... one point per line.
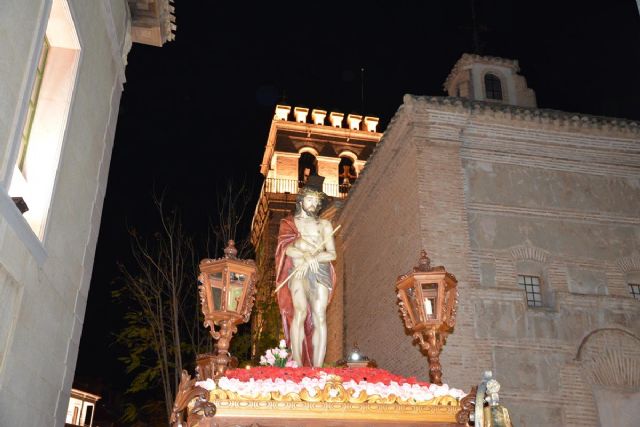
x=196, y=112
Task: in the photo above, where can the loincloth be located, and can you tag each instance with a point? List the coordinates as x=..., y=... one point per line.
x=320, y=278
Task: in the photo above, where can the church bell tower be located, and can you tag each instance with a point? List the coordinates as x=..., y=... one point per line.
x=489, y=78
x=302, y=143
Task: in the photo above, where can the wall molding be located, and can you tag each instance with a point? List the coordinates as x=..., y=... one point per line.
x=21, y=227
x=529, y=253
x=119, y=48
x=553, y=214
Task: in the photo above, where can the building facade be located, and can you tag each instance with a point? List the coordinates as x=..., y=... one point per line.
x=62, y=68
x=81, y=408
x=537, y=213
x=310, y=144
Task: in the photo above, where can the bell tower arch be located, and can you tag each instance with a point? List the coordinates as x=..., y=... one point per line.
x=489, y=78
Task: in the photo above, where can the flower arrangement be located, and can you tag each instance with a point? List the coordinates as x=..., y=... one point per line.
x=370, y=381
x=279, y=357
x=370, y=375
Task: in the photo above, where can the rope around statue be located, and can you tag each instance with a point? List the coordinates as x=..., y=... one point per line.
x=298, y=268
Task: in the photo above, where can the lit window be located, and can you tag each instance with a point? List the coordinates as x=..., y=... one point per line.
x=634, y=288
x=493, y=87
x=531, y=285
x=48, y=105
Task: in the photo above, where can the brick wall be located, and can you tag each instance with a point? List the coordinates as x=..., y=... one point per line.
x=491, y=193
x=335, y=325
x=287, y=167
x=328, y=168
x=380, y=241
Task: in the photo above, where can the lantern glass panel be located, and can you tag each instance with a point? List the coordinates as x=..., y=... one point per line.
x=237, y=277
x=447, y=305
x=414, y=305
x=430, y=300
x=217, y=298
x=233, y=296
x=215, y=279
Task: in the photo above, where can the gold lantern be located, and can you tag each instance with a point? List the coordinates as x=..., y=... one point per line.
x=428, y=299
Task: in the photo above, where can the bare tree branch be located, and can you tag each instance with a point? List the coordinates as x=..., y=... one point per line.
x=160, y=285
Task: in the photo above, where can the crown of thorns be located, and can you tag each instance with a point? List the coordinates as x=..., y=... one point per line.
x=306, y=191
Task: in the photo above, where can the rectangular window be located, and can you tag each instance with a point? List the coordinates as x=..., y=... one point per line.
x=634, y=288
x=531, y=285
x=48, y=103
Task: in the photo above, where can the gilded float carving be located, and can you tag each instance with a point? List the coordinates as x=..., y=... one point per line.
x=333, y=392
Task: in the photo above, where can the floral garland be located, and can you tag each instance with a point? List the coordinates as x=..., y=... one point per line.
x=372, y=381
x=372, y=375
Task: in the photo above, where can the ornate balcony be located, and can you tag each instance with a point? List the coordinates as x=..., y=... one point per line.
x=291, y=186
x=280, y=194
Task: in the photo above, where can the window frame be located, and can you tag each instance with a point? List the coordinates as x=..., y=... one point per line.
x=59, y=19
x=33, y=104
x=491, y=77
x=532, y=290
x=531, y=261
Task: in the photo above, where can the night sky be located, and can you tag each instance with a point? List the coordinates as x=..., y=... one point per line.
x=196, y=113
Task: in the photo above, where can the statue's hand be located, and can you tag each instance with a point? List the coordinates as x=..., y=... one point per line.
x=311, y=262
x=301, y=271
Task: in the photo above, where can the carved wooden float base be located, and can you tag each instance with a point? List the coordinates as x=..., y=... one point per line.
x=333, y=405
x=299, y=414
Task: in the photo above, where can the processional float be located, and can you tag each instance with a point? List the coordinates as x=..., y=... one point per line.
x=221, y=395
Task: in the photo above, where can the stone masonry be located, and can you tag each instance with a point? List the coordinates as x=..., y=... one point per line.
x=492, y=192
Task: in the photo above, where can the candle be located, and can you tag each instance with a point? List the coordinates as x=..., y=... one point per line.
x=428, y=306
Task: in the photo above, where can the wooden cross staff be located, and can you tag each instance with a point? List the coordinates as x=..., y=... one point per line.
x=316, y=249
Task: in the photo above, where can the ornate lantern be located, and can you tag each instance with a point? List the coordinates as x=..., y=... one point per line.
x=428, y=298
x=227, y=293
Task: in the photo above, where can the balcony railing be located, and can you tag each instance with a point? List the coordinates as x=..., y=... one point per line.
x=276, y=185
x=284, y=186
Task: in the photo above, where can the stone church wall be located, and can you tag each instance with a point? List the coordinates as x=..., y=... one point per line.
x=492, y=194
x=380, y=241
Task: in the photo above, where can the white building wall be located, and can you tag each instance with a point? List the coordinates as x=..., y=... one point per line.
x=44, y=283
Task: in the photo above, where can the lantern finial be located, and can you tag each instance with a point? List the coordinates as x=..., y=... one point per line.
x=424, y=263
x=230, y=251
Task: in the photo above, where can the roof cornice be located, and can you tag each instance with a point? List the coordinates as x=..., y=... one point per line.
x=561, y=120
x=311, y=129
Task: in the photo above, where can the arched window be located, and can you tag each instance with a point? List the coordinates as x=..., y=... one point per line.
x=347, y=173
x=492, y=87
x=307, y=165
